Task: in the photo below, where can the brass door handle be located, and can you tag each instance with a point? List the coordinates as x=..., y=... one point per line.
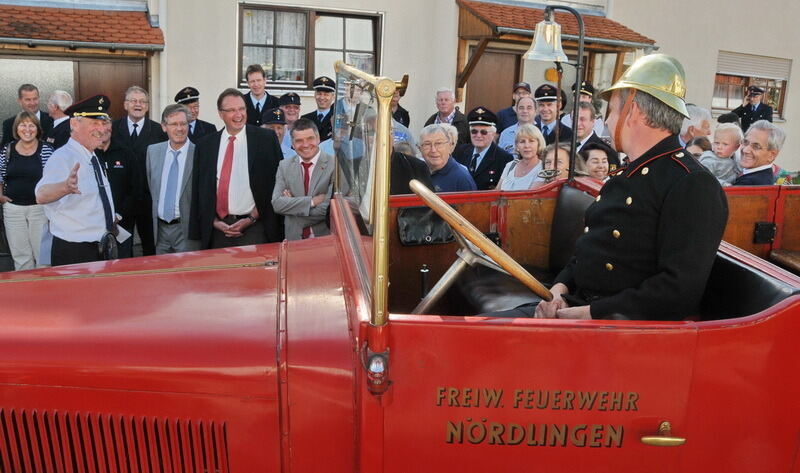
x=664, y=437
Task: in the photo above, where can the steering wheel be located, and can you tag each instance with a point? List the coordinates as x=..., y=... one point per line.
x=475, y=249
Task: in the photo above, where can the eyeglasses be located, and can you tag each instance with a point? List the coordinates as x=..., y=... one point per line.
x=475, y=131
x=753, y=146
x=437, y=145
x=233, y=110
x=138, y=101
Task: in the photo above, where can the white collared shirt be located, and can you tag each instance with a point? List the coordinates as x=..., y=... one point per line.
x=744, y=171
x=256, y=101
x=140, y=123
x=76, y=217
x=583, y=141
x=481, y=154
x=240, y=197
x=449, y=118
x=162, y=193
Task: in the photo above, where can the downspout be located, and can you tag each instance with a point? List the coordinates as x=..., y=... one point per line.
x=162, y=59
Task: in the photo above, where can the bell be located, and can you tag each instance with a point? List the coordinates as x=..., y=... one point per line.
x=546, y=45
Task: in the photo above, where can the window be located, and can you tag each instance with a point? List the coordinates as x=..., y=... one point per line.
x=295, y=46
x=737, y=71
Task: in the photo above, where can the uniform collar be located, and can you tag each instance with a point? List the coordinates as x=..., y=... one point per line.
x=663, y=148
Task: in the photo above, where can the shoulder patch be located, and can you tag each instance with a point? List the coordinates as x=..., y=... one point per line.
x=675, y=158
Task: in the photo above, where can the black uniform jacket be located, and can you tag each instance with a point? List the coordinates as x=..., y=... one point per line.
x=201, y=129
x=150, y=133
x=748, y=116
x=461, y=124
x=124, y=178
x=263, y=155
x=405, y=168
x=253, y=117
x=59, y=135
x=650, y=239
x=564, y=132
x=45, y=121
x=491, y=168
x=402, y=116
x=325, y=128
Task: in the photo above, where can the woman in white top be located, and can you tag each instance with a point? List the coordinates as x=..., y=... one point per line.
x=523, y=172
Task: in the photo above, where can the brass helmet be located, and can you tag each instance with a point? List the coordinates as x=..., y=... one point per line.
x=659, y=75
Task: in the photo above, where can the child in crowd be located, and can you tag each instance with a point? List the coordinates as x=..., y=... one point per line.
x=720, y=161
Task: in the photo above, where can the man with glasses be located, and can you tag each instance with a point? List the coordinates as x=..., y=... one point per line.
x=482, y=157
x=136, y=132
x=436, y=143
x=761, y=146
x=234, y=174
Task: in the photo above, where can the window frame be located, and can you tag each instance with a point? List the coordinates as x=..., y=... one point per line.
x=781, y=84
x=310, y=40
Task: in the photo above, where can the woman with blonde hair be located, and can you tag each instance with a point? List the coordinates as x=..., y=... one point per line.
x=523, y=172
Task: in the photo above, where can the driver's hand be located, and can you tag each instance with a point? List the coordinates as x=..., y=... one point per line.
x=549, y=310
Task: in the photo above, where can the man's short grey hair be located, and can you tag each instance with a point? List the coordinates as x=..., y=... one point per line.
x=174, y=108
x=586, y=106
x=697, y=115
x=659, y=115
x=731, y=128
x=135, y=88
x=61, y=99
x=443, y=90
x=776, y=135
x=449, y=131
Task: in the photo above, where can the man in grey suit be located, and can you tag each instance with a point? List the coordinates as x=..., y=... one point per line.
x=303, y=185
x=169, y=177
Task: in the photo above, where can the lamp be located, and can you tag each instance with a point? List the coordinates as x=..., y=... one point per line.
x=546, y=46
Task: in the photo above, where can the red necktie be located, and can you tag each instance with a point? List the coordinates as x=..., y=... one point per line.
x=306, y=180
x=225, y=180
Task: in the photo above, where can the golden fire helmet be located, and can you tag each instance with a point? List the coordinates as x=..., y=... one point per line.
x=659, y=75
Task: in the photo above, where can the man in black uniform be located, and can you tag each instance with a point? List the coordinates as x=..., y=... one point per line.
x=652, y=235
x=482, y=157
x=752, y=110
x=190, y=97
x=546, y=120
x=136, y=132
x=258, y=99
x=118, y=162
x=324, y=95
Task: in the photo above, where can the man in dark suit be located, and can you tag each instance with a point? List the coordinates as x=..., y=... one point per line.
x=324, y=94
x=136, y=132
x=57, y=104
x=587, y=135
x=752, y=109
x=190, y=97
x=761, y=146
x=235, y=209
x=546, y=97
x=482, y=157
x=28, y=99
x=258, y=99
x=449, y=113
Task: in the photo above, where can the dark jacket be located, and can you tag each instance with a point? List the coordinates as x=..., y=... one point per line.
x=651, y=238
x=402, y=116
x=461, y=124
x=405, y=168
x=324, y=126
x=487, y=175
x=8, y=136
x=123, y=176
x=564, y=132
x=150, y=133
x=506, y=118
x=253, y=117
x=613, y=158
x=201, y=129
x=59, y=135
x=764, y=177
x=748, y=116
x=263, y=156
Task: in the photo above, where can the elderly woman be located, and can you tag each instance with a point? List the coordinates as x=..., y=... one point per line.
x=437, y=142
x=593, y=161
x=523, y=172
x=561, y=164
x=21, y=164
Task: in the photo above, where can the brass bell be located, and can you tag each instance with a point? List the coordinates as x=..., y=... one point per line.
x=546, y=45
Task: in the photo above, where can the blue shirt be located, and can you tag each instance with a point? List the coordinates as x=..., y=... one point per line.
x=453, y=177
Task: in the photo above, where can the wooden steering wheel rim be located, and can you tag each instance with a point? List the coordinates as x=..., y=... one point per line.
x=461, y=225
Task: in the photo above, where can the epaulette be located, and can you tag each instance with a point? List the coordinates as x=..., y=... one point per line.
x=643, y=165
x=677, y=158
x=619, y=170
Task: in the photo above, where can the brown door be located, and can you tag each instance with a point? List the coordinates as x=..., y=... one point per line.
x=491, y=82
x=110, y=78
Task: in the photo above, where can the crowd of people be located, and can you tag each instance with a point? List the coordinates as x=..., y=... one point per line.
x=76, y=185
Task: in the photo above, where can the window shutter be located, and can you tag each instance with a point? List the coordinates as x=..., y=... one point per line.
x=751, y=65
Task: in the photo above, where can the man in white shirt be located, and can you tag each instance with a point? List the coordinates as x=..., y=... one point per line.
x=169, y=177
x=762, y=144
x=303, y=186
x=75, y=191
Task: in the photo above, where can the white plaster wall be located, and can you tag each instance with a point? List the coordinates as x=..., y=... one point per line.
x=695, y=31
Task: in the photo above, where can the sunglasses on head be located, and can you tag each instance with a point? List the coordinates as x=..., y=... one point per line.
x=475, y=131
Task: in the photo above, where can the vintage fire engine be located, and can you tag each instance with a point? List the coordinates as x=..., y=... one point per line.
x=344, y=353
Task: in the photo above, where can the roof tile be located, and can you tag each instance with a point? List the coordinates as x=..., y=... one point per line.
x=76, y=25
x=526, y=18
